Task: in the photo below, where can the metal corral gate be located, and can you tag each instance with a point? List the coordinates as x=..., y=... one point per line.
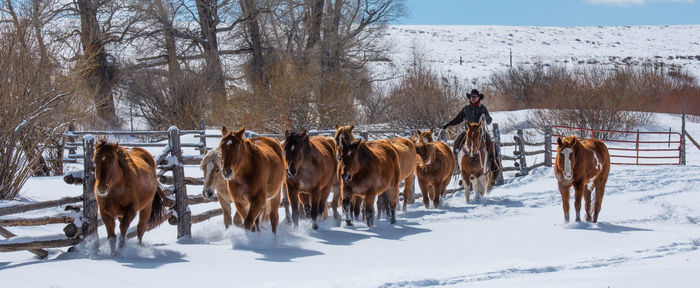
x=630, y=147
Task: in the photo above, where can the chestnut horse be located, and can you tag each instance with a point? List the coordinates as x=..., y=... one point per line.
x=214, y=182
x=434, y=168
x=407, y=159
x=474, y=162
x=311, y=170
x=578, y=163
x=125, y=183
x=367, y=170
x=254, y=169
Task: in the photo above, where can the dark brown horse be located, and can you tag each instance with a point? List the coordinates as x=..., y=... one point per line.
x=367, y=170
x=407, y=159
x=254, y=169
x=434, y=169
x=474, y=161
x=125, y=183
x=311, y=170
x=578, y=163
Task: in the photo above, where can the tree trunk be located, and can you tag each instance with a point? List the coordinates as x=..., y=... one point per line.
x=250, y=13
x=214, y=73
x=99, y=73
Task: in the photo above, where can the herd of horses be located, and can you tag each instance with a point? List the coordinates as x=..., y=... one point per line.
x=258, y=174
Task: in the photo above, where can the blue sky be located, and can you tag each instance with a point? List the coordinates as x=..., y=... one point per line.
x=552, y=12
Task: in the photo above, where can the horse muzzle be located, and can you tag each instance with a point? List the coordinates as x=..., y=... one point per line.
x=347, y=177
x=103, y=193
x=228, y=174
x=208, y=193
x=568, y=175
x=291, y=173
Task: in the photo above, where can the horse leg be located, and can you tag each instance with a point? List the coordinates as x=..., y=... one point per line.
x=347, y=197
x=369, y=208
x=425, y=191
x=578, y=193
x=587, y=200
x=383, y=207
x=241, y=213
x=256, y=204
x=599, y=193
x=476, y=184
x=285, y=203
x=315, y=207
x=437, y=192
x=336, y=200
x=564, y=191
x=274, y=213
x=124, y=226
x=293, y=197
x=226, y=210
x=143, y=222
x=109, y=226
x=407, y=189
x=392, y=199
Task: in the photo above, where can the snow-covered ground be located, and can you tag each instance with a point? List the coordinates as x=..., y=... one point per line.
x=648, y=236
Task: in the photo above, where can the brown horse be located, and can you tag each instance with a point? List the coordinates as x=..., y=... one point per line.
x=311, y=170
x=214, y=182
x=474, y=162
x=367, y=170
x=434, y=169
x=407, y=159
x=254, y=169
x=578, y=163
x=125, y=183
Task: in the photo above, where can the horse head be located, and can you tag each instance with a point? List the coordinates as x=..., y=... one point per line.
x=474, y=142
x=350, y=159
x=343, y=135
x=424, y=148
x=106, y=159
x=425, y=136
x=565, y=155
x=231, y=146
x=296, y=145
x=211, y=169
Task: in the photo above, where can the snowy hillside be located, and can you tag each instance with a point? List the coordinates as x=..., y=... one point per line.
x=486, y=49
x=648, y=236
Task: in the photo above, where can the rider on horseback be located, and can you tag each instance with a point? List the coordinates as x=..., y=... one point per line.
x=472, y=112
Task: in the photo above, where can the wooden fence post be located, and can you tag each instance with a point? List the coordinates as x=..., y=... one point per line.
x=89, y=203
x=497, y=142
x=71, y=139
x=181, y=206
x=683, y=137
x=521, y=145
x=548, y=146
x=202, y=139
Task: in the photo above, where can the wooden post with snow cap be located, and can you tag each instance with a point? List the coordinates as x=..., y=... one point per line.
x=497, y=143
x=181, y=206
x=90, y=222
x=521, y=146
x=203, y=138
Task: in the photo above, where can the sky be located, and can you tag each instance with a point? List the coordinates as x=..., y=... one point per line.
x=552, y=12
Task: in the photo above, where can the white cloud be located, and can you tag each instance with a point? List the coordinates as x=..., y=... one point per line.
x=632, y=2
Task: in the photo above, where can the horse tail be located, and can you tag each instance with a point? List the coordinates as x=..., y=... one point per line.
x=157, y=209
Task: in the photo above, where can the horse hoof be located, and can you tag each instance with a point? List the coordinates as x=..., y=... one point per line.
x=393, y=220
x=314, y=226
x=348, y=223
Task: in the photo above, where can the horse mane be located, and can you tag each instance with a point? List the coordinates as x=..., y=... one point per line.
x=213, y=156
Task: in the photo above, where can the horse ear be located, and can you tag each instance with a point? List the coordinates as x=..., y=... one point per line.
x=417, y=132
x=337, y=126
x=286, y=133
x=559, y=142
x=239, y=133
x=224, y=130
x=432, y=130
x=303, y=134
x=352, y=127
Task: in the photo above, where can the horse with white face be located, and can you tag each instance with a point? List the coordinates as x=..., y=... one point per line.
x=578, y=163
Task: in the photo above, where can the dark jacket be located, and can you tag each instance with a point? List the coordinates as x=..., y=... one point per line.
x=471, y=114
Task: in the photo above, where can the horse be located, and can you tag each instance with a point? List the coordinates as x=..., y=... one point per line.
x=407, y=160
x=126, y=183
x=474, y=163
x=254, y=171
x=214, y=182
x=578, y=163
x=434, y=168
x=311, y=170
x=369, y=169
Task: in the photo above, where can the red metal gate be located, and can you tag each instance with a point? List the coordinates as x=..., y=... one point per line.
x=631, y=147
